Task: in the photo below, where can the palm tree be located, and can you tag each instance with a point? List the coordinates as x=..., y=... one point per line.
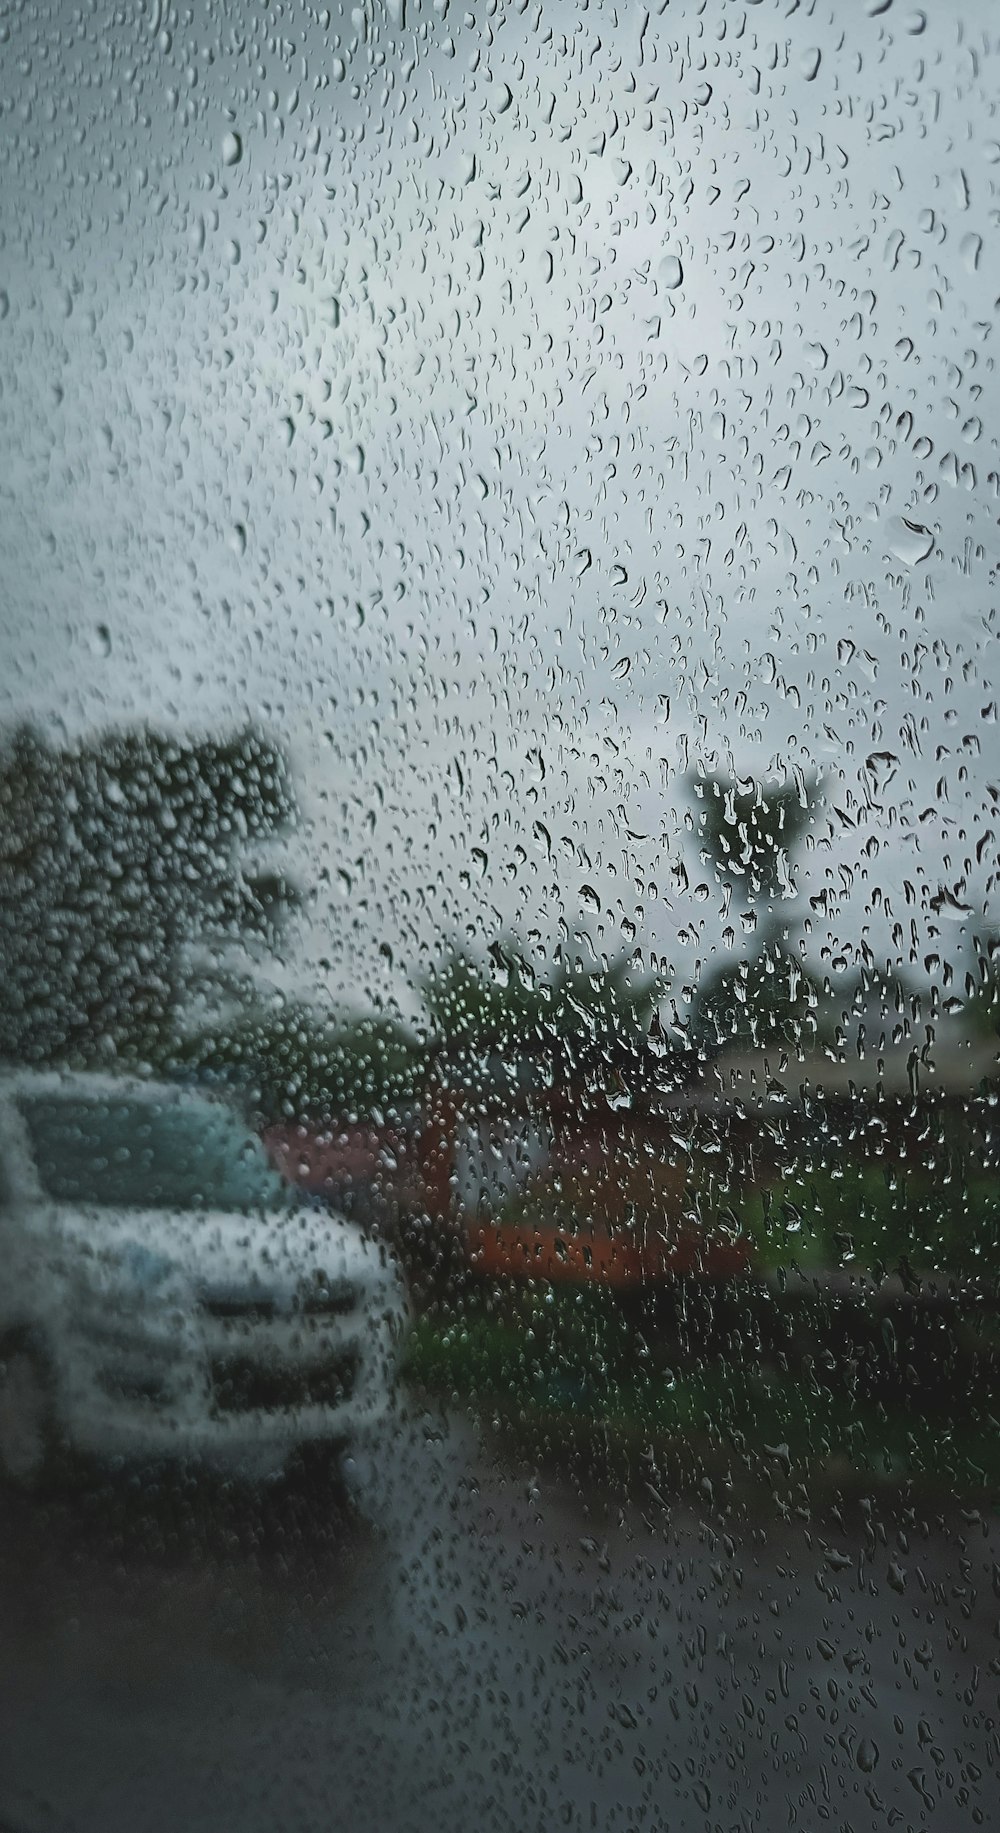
x=749, y=832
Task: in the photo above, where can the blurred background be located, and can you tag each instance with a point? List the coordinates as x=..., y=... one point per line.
x=499, y=536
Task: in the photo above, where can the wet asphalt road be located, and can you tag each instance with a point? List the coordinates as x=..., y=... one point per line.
x=484, y=1646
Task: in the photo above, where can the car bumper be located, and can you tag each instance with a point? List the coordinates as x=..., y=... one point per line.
x=244, y=1407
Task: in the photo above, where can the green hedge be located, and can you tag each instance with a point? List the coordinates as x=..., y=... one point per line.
x=862, y=1215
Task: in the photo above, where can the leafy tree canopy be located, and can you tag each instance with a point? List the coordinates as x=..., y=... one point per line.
x=757, y=1002
x=301, y=1064
x=503, y=1016
x=126, y=878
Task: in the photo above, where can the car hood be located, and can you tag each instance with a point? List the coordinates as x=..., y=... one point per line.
x=280, y=1256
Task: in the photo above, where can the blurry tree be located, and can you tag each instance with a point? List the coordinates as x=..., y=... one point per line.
x=749, y=831
x=495, y=1023
x=298, y=1063
x=767, y=998
x=875, y=1008
x=504, y=1021
x=982, y=985
x=132, y=888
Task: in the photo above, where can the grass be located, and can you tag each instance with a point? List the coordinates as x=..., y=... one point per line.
x=572, y=1360
x=868, y=1216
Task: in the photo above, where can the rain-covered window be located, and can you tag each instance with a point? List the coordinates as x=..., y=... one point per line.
x=499, y=916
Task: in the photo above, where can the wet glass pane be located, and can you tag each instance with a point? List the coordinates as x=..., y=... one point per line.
x=499, y=928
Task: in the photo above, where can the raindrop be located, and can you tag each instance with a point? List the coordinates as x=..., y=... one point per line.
x=809, y=62
x=671, y=273
x=232, y=149
x=910, y=541
x=950, y=905
x=970, y=249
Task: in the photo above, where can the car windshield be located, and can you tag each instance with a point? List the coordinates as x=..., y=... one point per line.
x=135, y=1153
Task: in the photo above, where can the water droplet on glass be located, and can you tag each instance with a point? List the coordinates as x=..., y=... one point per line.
x=910, y=541
x=232, y=149
x=970, y=249
x=809, y=62
x=671, y=273
x=950, y=905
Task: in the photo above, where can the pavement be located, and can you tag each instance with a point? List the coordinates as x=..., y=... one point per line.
x=478, y=1643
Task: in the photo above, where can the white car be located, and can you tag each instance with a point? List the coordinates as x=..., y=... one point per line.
x=165, y=1294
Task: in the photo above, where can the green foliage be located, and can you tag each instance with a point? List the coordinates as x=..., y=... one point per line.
x=124, y=881
x=553, y=1361
x=750, y=831
x=556, y=1348
x=764, y=1000
x=483, y=1021
x=575, y=1021
x=858, y=1214
x=298, y=1063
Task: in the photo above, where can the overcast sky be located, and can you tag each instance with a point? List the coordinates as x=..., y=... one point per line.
x=513, y=408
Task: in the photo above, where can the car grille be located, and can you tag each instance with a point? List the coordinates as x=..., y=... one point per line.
x=143, y=1388
x=240, y=1384
x=317, y=1299
x=239, y=1306
x=314, y=1298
